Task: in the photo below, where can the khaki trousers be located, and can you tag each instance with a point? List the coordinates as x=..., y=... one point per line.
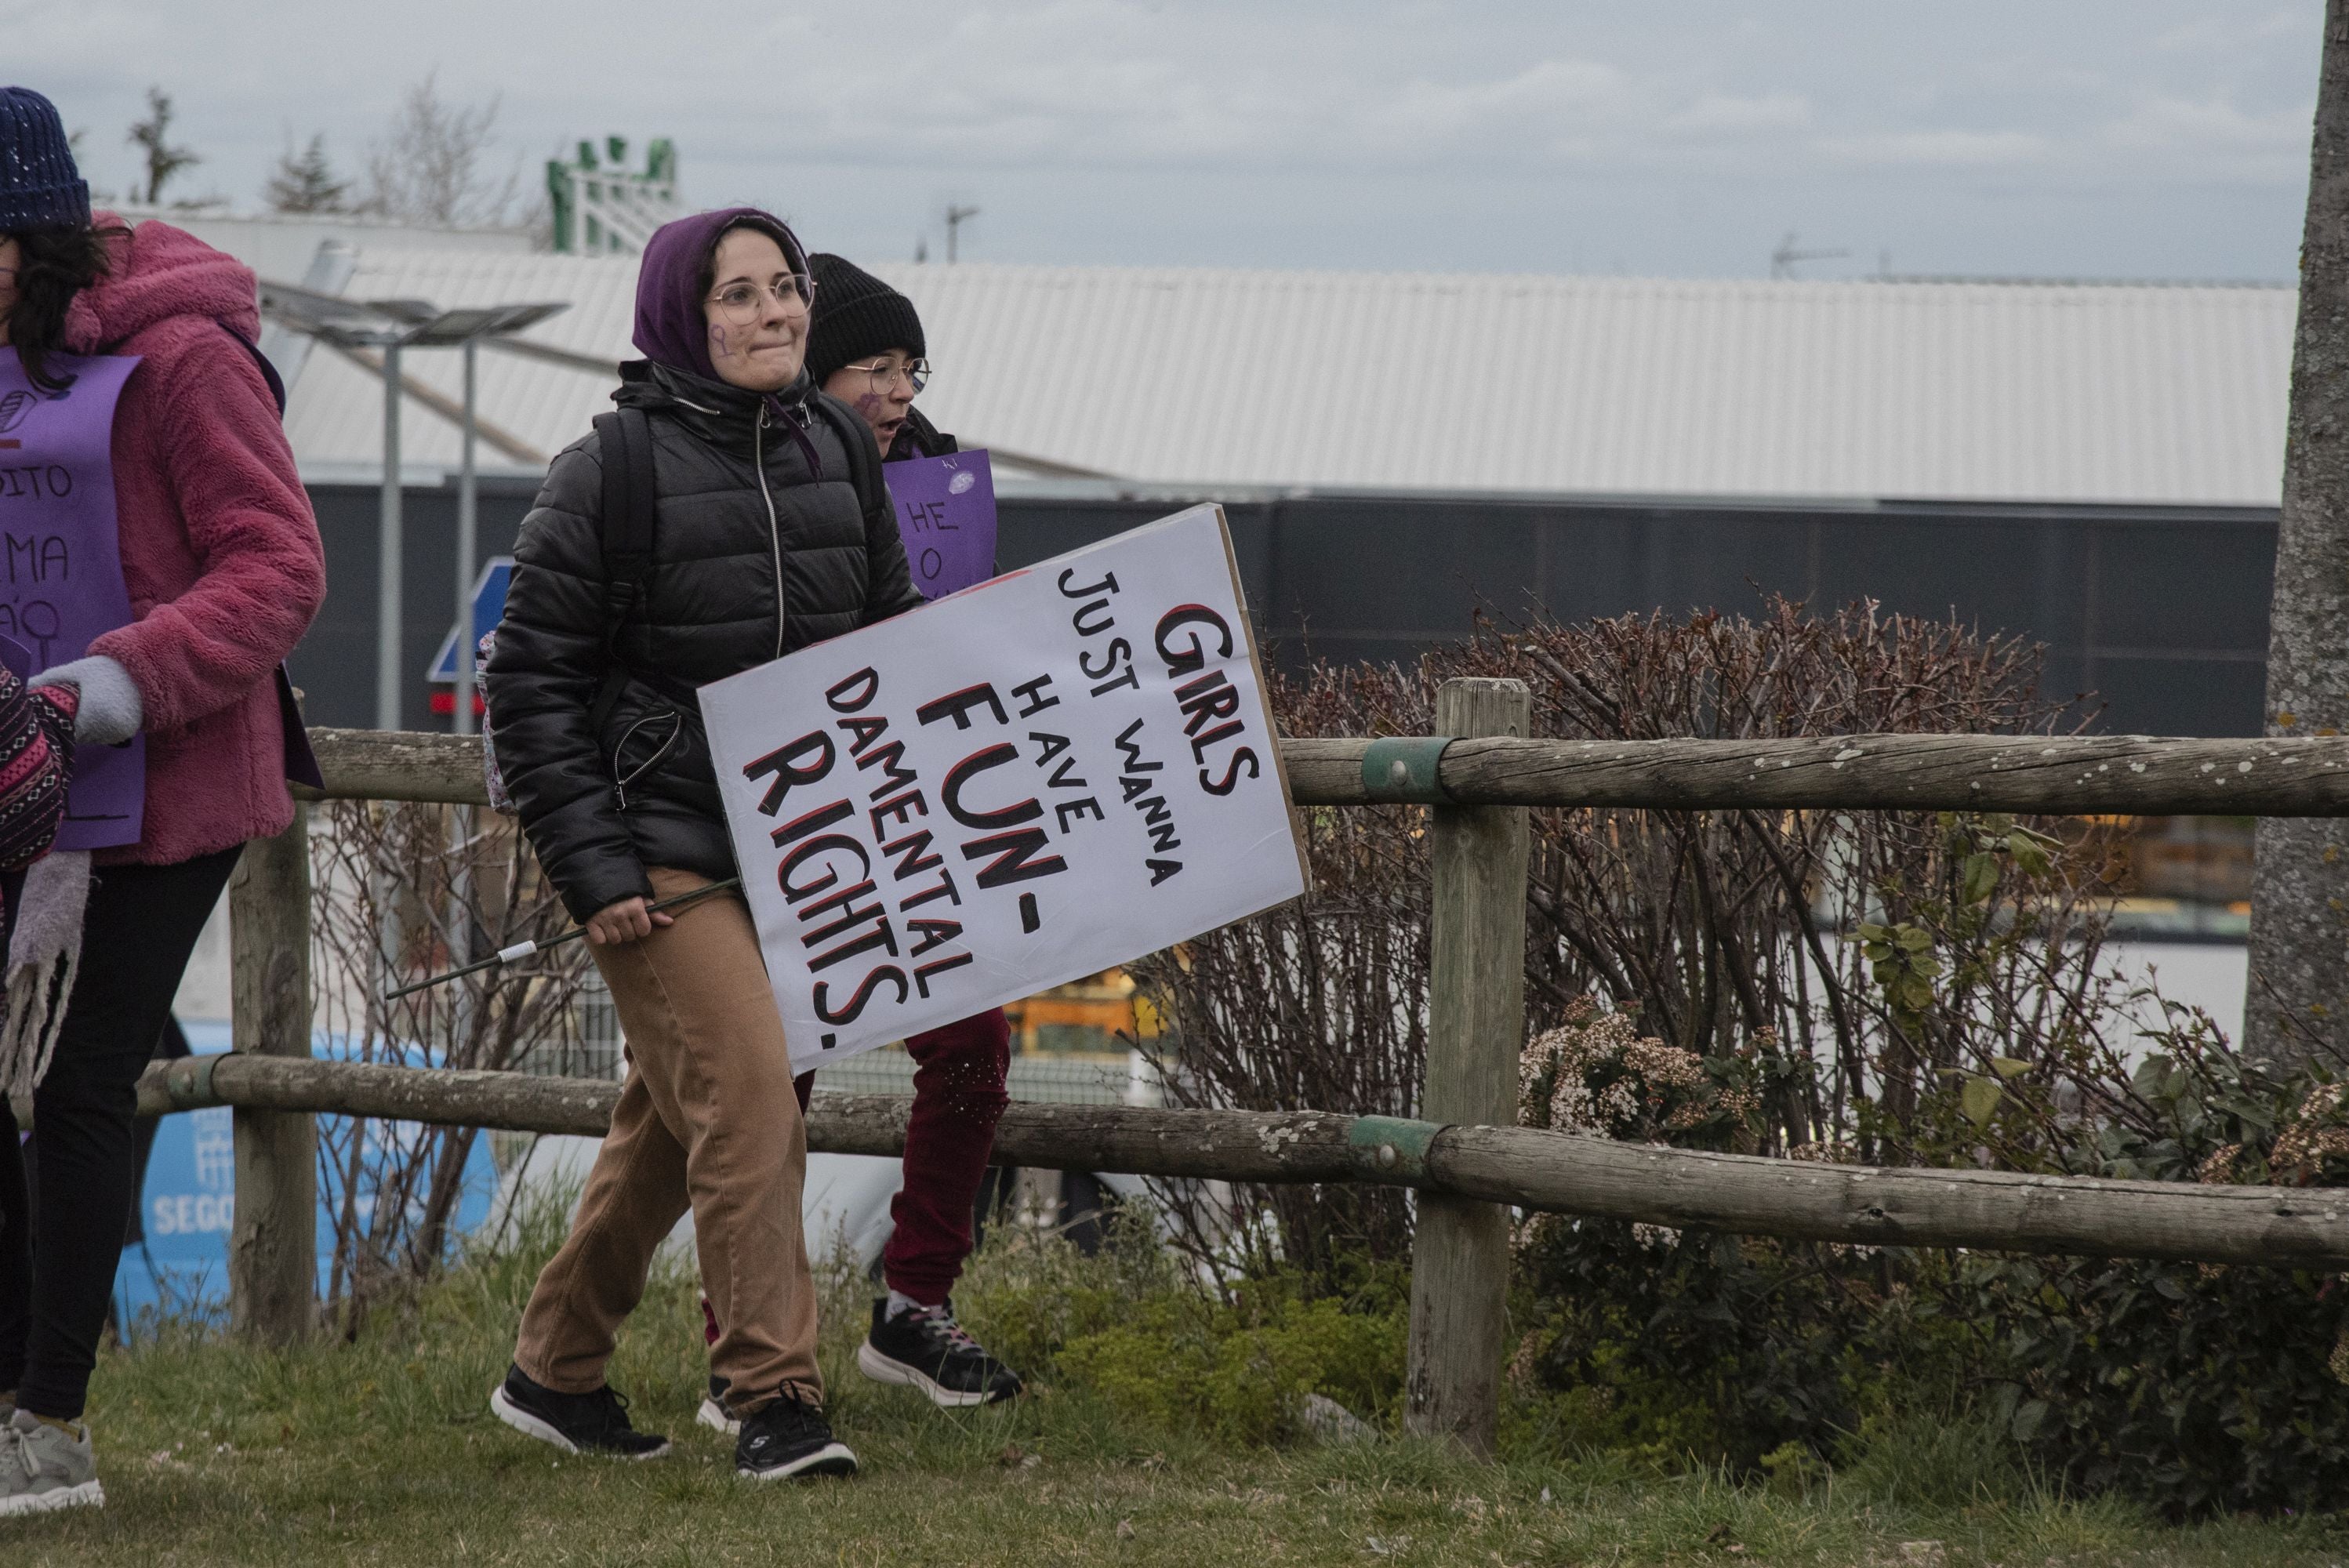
x=707, y=1121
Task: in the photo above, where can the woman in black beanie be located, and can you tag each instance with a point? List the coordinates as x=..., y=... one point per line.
x=864, y=347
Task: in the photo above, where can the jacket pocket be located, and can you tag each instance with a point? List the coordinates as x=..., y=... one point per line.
x=648, y=736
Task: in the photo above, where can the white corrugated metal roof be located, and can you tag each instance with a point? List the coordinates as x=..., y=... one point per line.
x=334, y=413
x=1993, y=391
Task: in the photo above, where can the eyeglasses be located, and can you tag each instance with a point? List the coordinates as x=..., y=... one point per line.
x=885, y=374
x=739, y=302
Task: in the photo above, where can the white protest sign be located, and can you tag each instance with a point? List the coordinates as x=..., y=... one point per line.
x=1007, y=789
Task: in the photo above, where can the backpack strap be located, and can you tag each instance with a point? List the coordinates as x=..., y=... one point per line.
x=631, y=500
x=863, y=456
x=261, y=362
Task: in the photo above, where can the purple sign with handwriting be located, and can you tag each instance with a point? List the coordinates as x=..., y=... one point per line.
x=61, y=562
x=946, y=513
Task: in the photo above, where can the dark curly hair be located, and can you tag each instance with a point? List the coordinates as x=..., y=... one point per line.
x=52, y=266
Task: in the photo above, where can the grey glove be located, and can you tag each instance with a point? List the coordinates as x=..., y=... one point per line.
x=112, y=709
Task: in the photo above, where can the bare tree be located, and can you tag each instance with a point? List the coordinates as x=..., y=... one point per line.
x=2298, y=1001
x=430, y=167
x=153, y=137
x=306, y=183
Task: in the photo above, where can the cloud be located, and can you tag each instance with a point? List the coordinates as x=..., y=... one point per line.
x=1938, y=149
x=1689, y=129
x=1727, y=113
x=2205, y=35
x=2167, y=124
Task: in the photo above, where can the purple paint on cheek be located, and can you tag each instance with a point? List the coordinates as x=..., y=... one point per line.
x=868, y=405
x=719, y=346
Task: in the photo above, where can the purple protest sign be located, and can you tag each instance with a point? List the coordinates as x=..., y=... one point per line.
x=61, y=562
x=945, y=513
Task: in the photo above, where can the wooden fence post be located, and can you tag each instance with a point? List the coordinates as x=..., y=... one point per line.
x=272, y=1266
x=1476, y=1027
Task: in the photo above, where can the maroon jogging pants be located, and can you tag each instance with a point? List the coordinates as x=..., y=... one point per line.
x=958, y=1073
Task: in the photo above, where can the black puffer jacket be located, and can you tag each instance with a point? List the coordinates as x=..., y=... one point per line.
x=917, y=437
x=601, y=807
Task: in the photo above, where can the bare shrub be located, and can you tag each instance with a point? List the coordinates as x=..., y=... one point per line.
x=1887, y=964
x=402, y=892
x=432, y=167
x=1979, y=934
x=1320, y=1004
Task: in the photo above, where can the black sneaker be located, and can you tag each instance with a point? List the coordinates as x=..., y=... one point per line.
x=786, y=1438
x=594, y=1423
x=924, y=1347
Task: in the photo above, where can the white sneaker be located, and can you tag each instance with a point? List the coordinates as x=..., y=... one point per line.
x=43, y=1467
x=712, y=1413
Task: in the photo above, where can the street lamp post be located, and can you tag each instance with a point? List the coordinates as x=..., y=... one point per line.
x=389, y=544
x=390, y=326
x=465, y=328
x=468, y=546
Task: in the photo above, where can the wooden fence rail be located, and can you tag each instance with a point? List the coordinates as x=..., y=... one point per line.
x=1465, y=1162
x=1531, y=1168
x=2137, y=774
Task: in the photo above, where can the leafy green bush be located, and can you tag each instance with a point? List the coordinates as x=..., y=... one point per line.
x=1680, y=1346
x=1241, y=1368
x=1160, y=1347
x=2200, y=1389
x=2197, y=1387
x=1688, y=1347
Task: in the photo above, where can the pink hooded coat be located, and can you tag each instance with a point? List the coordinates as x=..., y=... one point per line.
x=219, y=549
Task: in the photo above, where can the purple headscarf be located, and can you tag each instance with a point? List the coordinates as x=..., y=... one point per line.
x=671, y=329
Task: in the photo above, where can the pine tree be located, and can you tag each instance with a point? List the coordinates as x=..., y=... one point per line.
x=306, y=183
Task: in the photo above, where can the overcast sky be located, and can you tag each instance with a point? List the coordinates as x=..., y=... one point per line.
x=2076, y=138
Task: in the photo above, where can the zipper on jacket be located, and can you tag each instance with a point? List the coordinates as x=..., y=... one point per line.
x=774, y=526
x=620, y=753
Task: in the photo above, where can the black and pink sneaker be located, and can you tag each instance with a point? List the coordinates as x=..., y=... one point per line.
x=924, y=1347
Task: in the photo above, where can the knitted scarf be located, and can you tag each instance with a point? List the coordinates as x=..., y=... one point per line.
x=36, y=766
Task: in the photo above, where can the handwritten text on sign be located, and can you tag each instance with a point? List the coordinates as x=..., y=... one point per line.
x=945, y=513
x=61, y=562
x=1053, y=773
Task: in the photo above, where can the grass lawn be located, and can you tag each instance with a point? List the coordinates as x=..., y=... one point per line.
x=383, y=1451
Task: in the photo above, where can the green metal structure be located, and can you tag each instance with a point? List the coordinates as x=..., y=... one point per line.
x=603, y=208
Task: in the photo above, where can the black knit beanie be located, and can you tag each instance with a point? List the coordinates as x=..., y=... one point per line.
x=39, y=186
x=856, y=316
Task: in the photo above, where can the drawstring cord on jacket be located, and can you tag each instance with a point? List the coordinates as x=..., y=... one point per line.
x=793, y=417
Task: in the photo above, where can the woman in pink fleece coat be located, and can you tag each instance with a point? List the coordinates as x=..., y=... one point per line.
x=223, y=571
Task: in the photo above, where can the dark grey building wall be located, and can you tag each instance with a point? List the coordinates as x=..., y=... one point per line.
x=334, y=664
x=2161, y=612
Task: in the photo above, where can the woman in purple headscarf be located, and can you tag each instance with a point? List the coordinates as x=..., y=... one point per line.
x=770, y=530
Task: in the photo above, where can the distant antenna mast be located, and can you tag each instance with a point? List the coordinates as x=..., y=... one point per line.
x=956, y=217
x=1783, y=259
x=602, y=210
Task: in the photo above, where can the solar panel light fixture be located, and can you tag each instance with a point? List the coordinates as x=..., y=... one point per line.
x=392, y=325
x=431, y=327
